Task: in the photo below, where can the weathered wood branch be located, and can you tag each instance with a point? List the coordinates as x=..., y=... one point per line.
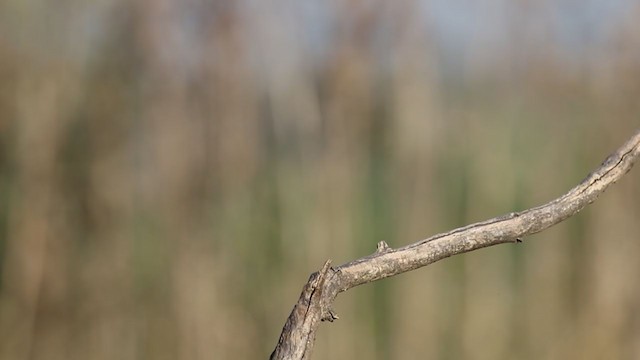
x=298, y=335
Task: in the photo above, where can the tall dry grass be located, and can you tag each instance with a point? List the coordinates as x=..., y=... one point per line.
x=171, y=172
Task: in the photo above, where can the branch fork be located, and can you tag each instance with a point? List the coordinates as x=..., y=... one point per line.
x=314, y=305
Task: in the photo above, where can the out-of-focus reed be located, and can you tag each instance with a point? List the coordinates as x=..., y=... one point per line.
x=171, y=172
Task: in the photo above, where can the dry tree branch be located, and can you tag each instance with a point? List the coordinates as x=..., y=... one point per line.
x=298, y=334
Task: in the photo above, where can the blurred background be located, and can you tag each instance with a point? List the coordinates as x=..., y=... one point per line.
x=171, y=172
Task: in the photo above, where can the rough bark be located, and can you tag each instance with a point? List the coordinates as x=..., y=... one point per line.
x=314, y=305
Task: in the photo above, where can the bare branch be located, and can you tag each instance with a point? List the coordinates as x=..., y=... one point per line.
x=298, y=334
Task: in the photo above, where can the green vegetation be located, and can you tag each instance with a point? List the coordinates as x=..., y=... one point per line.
x=165, y=197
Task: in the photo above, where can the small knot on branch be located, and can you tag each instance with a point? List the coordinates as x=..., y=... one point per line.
x=382, y=247
x=330, y=316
